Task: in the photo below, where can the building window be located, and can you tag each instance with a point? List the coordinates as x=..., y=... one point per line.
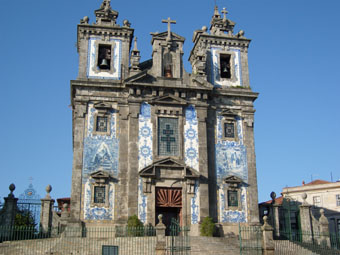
x=99, y=195
x=104, y=57
x=168, y=137
x=316, y=201
x=338, y=200
x=225, y=66
x=101, y=124
x=233, y=198
x=229, y=130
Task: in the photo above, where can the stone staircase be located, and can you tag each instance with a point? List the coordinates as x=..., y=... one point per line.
x=214, y=245
x=286, y=247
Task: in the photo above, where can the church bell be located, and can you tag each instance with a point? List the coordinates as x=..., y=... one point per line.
x=104, y=64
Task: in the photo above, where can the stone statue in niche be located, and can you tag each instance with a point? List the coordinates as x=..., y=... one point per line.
x=167, y=65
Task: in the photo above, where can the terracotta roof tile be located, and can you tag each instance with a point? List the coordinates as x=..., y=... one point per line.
x=316, y=182
x=278, y=201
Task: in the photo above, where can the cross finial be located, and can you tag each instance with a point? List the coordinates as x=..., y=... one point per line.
x=225, y=12
x=30, y=179
x=169, y=21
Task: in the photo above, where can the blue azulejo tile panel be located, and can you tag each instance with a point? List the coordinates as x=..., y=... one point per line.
x=231, y=156
x=231, y=160
x=101, y=151
x=93, y=70
x=191, y=155
x=233, y=216
x=145, y=153
x=95, y=212
x=195, y=205
x=191, y=138
x=215, y=78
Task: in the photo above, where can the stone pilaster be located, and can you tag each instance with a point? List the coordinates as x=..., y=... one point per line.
x=276, y=220
x=46, y=212
x=122, y=193
x=306, y=222
x=10, y=208
x=324, y=230
x=212, y=164
x=160, y=235
x=77, y=166
x=268, y=241
x=252, y=197
x=133, y=159
x=203, y=161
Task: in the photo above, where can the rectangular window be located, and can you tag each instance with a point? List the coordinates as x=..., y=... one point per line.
x=233, y=198
x=317, y=201
x=229, y=130
x=338, y=200
x=225, y=66
x=109, y=250
x=101, y=125
x=99, y=194
x=168, y=137
x=104, y=57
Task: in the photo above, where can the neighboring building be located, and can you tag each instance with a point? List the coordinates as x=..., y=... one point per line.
x=319, y=194
x=150, y=138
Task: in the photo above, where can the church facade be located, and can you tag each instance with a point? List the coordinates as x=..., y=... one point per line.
x=150, y=138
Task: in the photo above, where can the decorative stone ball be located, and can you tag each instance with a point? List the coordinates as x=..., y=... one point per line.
x=322, y=211
x=48, y=188
x=160, y=218
x=265, y=218
x=11, y=187
x=86, y=19
x=273, y=195
x=241, y=32
x=204, y=28
x=65, y=205
x=304, y=196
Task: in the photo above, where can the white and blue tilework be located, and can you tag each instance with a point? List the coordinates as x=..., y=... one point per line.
x=101, y=152
x=195, y=208
x=145, y=154
x=191, y=155
x=91, y=60
x=215, y=70
x=231, y=160
x=95, y=212
x=233, y=216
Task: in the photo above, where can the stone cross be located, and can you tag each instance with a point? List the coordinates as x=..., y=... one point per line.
x=225, y=12
x=169, y=21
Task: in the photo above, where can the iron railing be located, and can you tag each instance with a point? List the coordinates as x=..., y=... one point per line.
x=250, y=238
x=306, y=243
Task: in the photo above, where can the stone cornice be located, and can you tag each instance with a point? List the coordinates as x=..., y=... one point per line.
x=236, y=92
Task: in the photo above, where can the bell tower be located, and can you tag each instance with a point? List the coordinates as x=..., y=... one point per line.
x=167, y=52
x=104, y=46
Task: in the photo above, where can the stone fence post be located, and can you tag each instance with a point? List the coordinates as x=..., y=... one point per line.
x=306, y=220
x=160, y=235
x=46, y=212
x=10, y=208
x=267, y=240
x=324, y=230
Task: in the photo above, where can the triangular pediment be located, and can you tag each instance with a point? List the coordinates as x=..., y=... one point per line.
x=232, y=179
x=159, y=169
x=164, y=35
x=102, y=105
x=229, y=112
x=100, y=175
x=169, y=99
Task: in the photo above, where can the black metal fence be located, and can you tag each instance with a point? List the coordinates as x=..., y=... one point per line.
x=306, y=243
x=250, y=238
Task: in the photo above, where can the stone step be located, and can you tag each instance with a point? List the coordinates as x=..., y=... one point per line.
x=214, y=246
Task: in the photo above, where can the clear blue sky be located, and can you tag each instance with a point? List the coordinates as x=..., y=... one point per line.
x=293, y=61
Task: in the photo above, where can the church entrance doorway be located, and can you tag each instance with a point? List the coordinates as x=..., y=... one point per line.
x=169, y=204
